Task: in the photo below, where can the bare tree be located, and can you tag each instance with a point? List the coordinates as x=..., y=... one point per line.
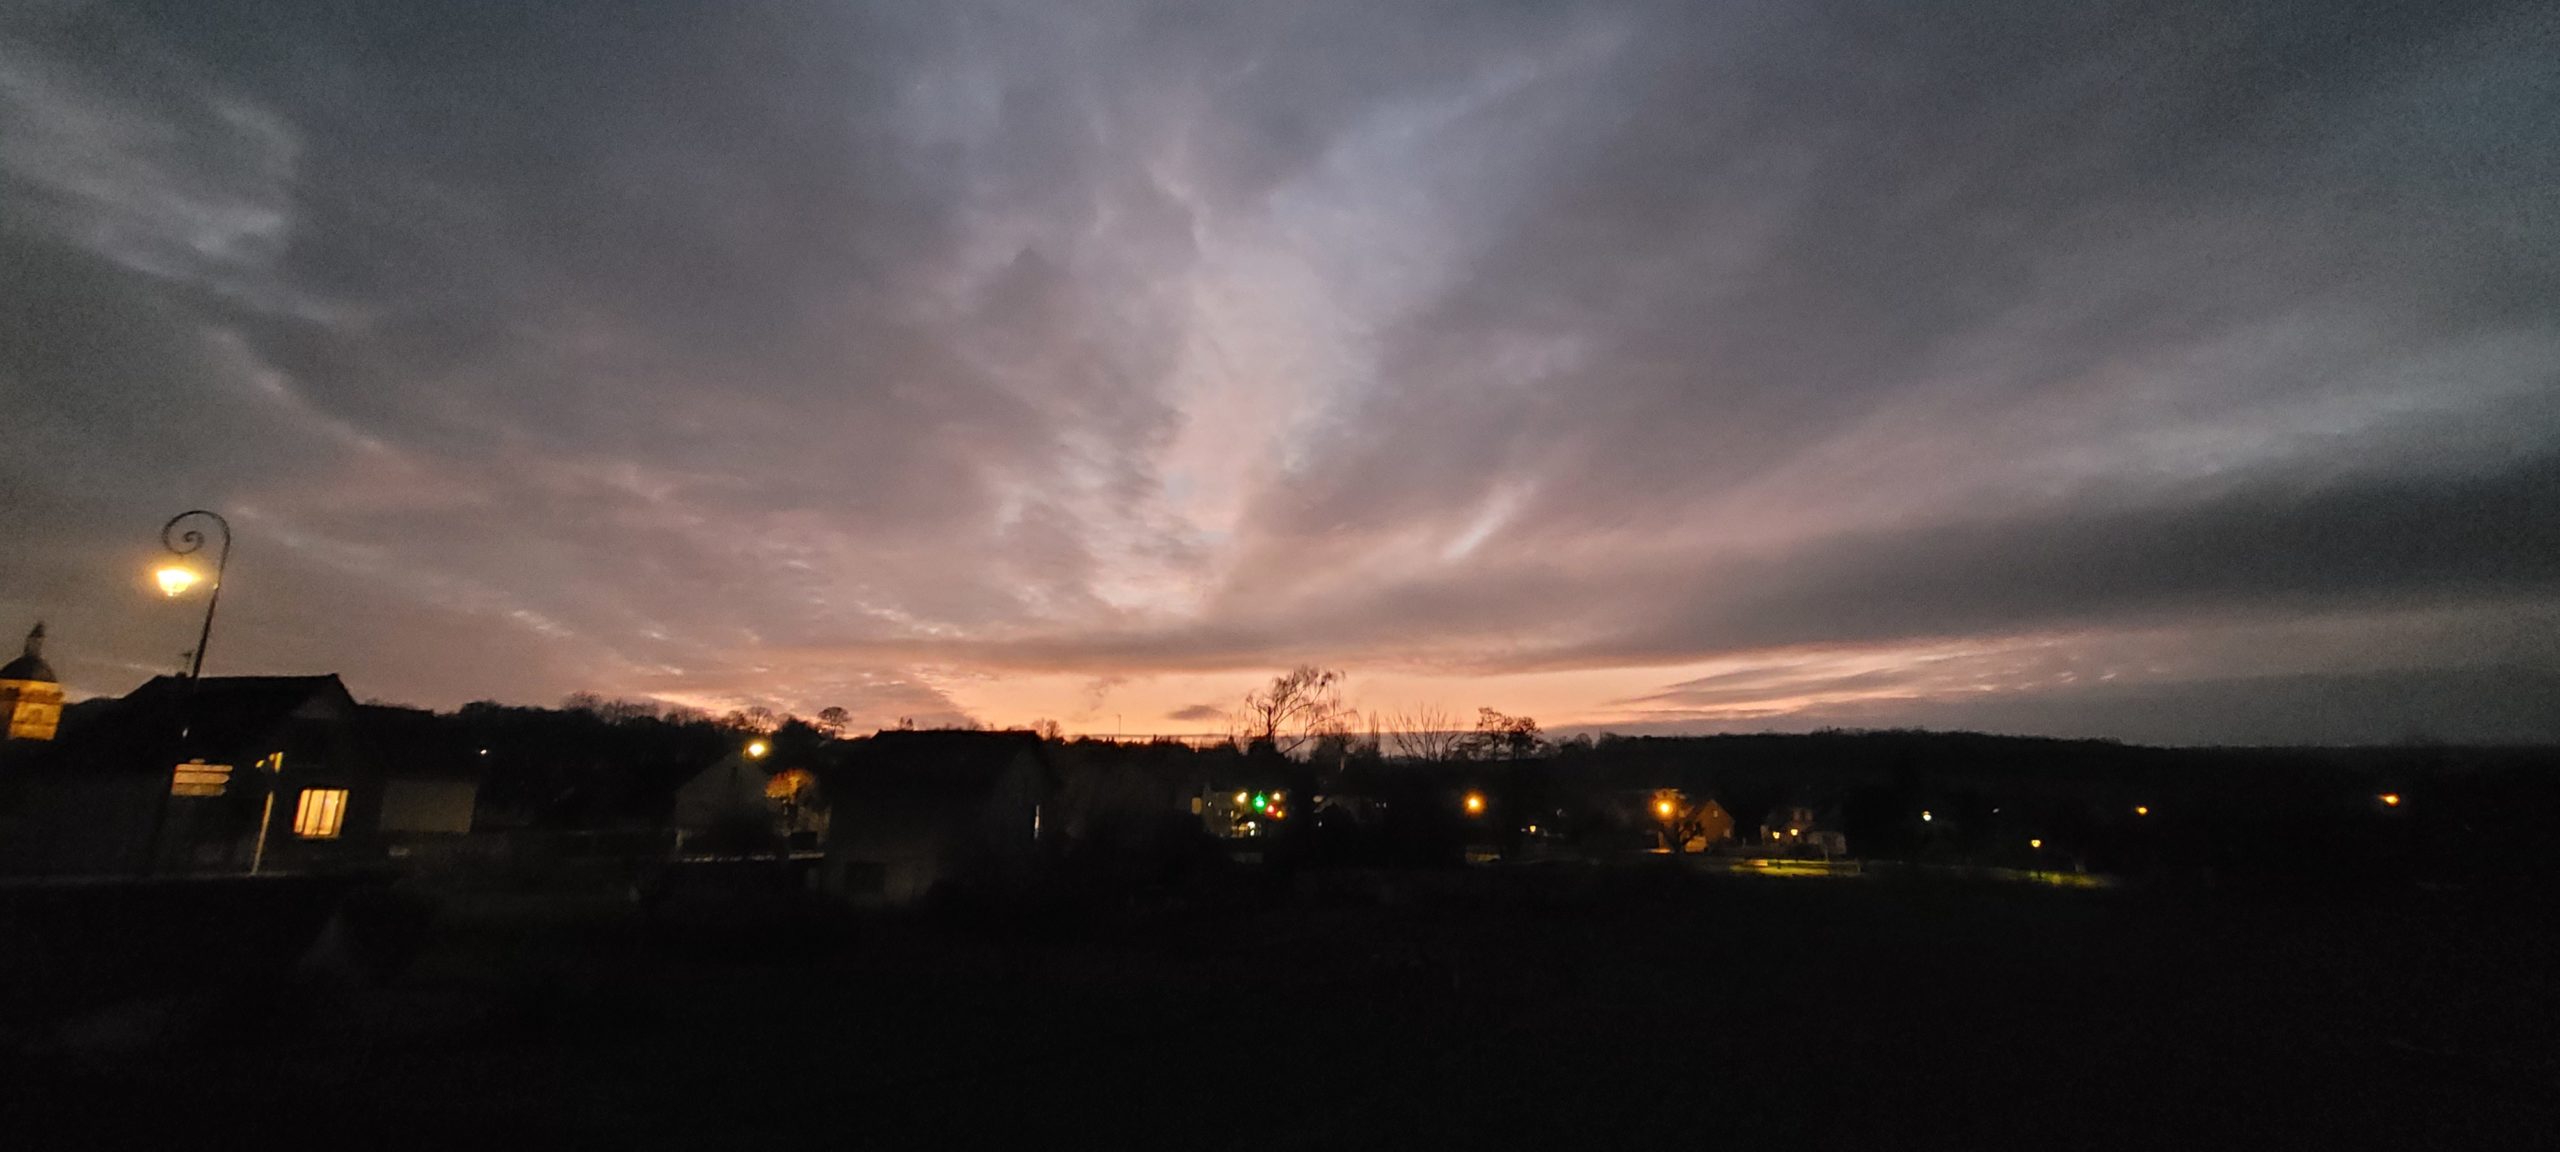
x=833, y=720
x=1501, y=737
x=1428, y=734
x=624, y=711
x=1297, y=706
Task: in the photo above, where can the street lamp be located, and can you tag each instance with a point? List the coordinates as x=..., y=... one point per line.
x=175, y=579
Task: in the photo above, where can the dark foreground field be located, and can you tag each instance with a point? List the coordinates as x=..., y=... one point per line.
x=1582, y=1010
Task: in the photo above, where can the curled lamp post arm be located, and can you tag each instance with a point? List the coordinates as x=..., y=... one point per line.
x=188, y=543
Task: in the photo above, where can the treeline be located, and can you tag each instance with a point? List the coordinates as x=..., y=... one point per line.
x=2453, y=815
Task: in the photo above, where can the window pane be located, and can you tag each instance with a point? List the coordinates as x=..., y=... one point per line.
x=319, y=813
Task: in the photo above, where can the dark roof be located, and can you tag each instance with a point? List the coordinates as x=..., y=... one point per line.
x=222, y=716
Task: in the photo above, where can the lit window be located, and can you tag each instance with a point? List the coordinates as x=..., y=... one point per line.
x=320, y=813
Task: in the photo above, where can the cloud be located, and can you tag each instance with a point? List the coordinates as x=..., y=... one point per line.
x=1197, y=713
x=810, y=351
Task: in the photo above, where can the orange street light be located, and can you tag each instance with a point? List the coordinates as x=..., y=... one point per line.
x=2389, y=799
x=2141, y=809
x=1475, y=804
x=176, y=579
x=756, y=749
x=1663, y=808
x=2035, y=843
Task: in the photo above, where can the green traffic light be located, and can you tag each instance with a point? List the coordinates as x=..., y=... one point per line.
x=1260, y=802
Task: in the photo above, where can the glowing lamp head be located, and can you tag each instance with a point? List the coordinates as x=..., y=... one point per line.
x=2141, y=809
x=1662, y=808
x=1926, y=816
x=2389, y=799
x=2035, y=843
x=176, y=579
x=1475, y=804
x=757, y=748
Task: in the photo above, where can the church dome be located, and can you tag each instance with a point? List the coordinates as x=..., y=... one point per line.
x=31, y=665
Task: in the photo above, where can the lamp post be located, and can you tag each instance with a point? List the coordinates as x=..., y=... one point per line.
x=177, y=578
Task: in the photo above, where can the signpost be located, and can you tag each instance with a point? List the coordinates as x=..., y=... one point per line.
x=274, y=764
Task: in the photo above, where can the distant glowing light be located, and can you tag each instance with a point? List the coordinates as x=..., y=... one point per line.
x=1663, y=807
x=176, y=579
x=1475, y=803
x=1261, y=802
x=2141, y=809
x=2035, y=843
x=756, y=749
x=2390, y=799
x=1242, y=797
x=1925, y=816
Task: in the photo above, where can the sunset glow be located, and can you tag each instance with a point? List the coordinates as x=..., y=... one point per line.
x=1629, y=367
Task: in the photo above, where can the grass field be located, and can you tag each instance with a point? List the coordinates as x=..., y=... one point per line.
x=1560, y=1009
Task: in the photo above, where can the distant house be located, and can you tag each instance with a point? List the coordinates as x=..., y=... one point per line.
x=1707, y=825
x=1664, y=815
x=915, y=812
x=740, y=794
x=1800, y=829
x=205, y=775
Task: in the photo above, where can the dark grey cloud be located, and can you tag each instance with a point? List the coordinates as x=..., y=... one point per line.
x=808, y=352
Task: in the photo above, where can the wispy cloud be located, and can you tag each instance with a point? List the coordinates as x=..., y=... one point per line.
x=1701, y=364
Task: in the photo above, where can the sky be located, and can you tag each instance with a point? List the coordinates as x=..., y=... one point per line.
x=2170, y=372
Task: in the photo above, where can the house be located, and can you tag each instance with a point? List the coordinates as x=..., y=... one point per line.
x=1798, y=828
x=219, y=774
x=1674, y=821
x=431, y=773
x=750, y=795
x=916, y=812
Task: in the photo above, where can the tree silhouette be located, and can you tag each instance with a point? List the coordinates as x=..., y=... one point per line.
x=1502, y=737
x=1429, y=735
x=1297, y=706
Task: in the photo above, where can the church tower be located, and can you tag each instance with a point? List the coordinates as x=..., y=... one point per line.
x=29, y=695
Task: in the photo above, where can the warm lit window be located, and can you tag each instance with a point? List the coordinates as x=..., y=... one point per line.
x=320, y=813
